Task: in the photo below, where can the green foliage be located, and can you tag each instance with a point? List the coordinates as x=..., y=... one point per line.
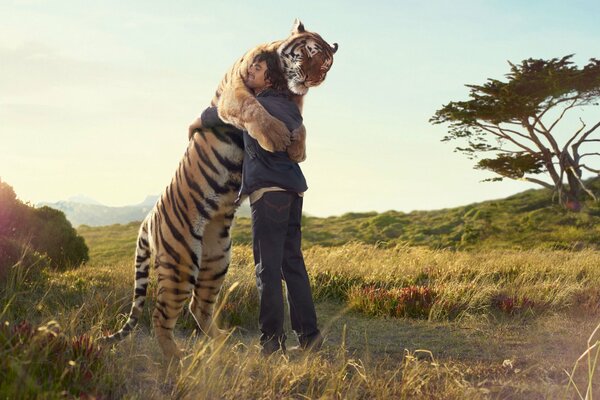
x=513, y=166
x=44, y=362
x=515, y=121
x=54, y=236
x=532, y=86
x=12, y=212
x=44, y=230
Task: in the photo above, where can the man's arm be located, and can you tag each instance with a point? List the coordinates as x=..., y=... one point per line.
x=208, y=119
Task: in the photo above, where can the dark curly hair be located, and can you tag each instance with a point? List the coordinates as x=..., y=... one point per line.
x=274, y=72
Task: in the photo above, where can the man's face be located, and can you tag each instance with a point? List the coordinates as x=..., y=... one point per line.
x=256, y=76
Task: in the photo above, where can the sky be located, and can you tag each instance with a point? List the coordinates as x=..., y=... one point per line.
x=96, y=97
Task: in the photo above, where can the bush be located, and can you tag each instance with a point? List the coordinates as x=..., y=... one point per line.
x=54, y=235
x=411, y=301
x=44, y=230
x=10, y=252
x=13, y=213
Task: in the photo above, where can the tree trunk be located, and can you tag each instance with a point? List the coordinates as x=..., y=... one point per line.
x=573, y=179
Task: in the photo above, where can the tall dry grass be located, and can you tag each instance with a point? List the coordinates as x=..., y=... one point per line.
x=65, y=309
x=463, y=283
x=590, y=358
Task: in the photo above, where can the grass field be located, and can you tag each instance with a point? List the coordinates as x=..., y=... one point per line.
x=400, y=322
x=527, y=220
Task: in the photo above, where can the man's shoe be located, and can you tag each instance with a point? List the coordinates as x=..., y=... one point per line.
x=265, y=352
x=312, y=344
x=271, y=347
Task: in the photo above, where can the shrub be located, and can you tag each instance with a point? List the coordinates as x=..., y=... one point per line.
x=411, y=301
x=54, y=235
x=45, y=230
x=512, y=304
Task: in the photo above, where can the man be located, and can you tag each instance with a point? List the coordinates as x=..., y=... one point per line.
x=275, y=185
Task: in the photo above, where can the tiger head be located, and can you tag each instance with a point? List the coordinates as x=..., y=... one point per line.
x=305, y=58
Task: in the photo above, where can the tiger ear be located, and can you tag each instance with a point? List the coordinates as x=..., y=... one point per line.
x=298, y=26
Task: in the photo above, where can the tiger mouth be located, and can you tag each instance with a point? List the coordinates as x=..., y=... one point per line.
x=298, y=87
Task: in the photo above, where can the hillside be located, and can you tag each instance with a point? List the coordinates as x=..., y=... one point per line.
x=526, y=220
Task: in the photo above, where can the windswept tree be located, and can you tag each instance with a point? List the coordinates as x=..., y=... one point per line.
x=514, y=125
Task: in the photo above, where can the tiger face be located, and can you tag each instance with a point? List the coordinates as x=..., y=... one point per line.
x=306, y=58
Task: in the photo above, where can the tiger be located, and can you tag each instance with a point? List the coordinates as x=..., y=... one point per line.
x=187, y=235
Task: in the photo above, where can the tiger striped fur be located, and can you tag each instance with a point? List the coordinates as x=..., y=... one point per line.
x=188, y=230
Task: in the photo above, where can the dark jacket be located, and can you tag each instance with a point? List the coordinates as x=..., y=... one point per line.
x=263, y=168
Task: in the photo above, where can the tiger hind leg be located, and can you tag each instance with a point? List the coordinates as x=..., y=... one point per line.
x=175, y=287
x=216, y=256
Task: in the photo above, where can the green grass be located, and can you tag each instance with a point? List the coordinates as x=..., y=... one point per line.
x=528, y=220
x=112, y=243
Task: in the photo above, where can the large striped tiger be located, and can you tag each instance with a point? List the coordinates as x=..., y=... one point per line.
x=188, y=230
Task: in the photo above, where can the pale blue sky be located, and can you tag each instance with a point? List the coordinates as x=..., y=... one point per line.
x=96, y=97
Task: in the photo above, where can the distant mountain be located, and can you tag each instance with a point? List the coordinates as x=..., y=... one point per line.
x=82, y=210
x=150, y=200
x=79, y=213
x=83, y=199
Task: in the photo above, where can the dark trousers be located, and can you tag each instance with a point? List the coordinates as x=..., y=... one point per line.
x=277, y=237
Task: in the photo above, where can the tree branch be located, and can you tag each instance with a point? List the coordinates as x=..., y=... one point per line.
x=573, y=138
x=563, y=113
x=596, y=171
x=553, y=104
x=504, y=130
x=551, y=143
x=539, y=182
x=501, y=150
x=585, y=189
x=546, y=153
x=548, y=135
x=584, y=138
x=588, y=154
x=586, y=134
x=507, y=137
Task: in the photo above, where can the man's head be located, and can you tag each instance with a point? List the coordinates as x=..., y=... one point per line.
x=264, y=72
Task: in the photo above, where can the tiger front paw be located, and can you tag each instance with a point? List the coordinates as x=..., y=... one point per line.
x=271, y=134
x=296, y=152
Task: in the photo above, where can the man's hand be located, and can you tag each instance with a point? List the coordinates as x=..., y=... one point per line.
x=195, y=126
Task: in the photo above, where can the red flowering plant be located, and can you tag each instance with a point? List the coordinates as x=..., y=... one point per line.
x=411, y=301
x=512, y=304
